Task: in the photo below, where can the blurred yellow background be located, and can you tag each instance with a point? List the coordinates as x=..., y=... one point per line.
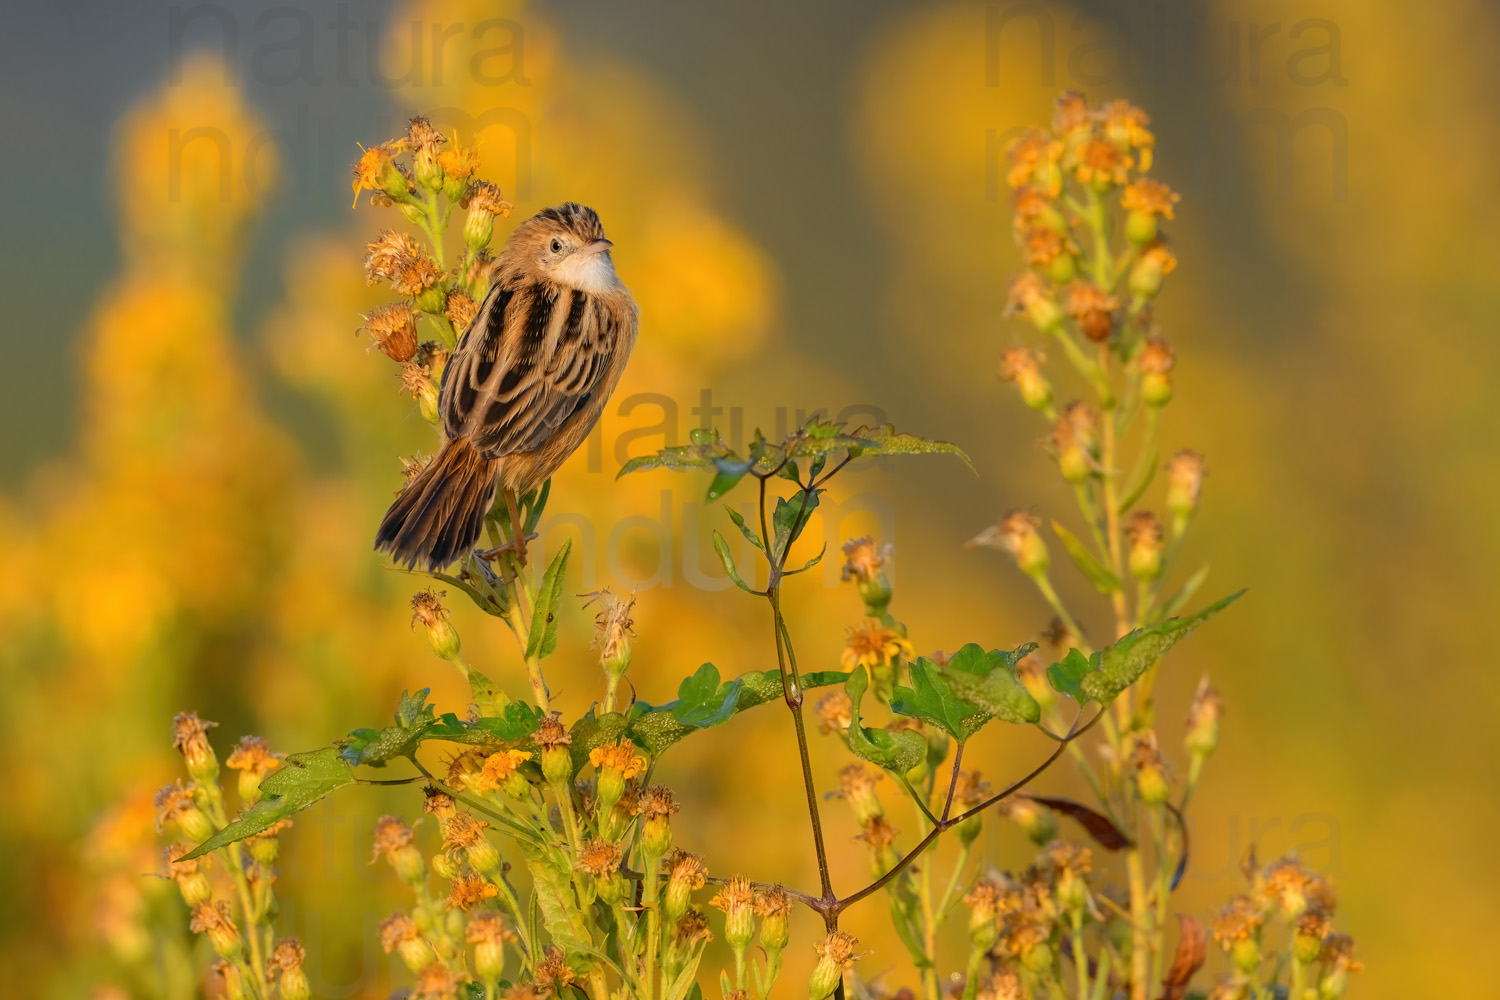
x=810, y=210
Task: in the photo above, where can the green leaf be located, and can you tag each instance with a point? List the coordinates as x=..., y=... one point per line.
x=1120, y=665
x=988, y=680
x=886, y=440
x=739, y=522
x=552, y=883
x=301, y=780
x=790, y=519
x=898, y=752
x=487, y=696
x=1176, y=601
x=722, y=548
x=655, y=728
x=810, y=563
x=703, y=702
x=1099, y=575
x=790, y=472
x=1067, y=676
x=511, y=727
x=731, y=471
x=542, y=639
x=931, y=698
x=375, y=747
x=703, y=453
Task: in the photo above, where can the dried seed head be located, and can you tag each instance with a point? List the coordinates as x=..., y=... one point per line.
x=488, y=928
x=613, y=629
x=600, y=858
x=190, y=738
x=553, y=972
x=393, y=329
x=439, y=804
x=212, y=918
x=460, y=310
x=287, y=955
x=1203, y=720
x=397, y=930
x=692, y=928
x=1144, y=532
x=1093, y=309
x=392, y=834
x=862, y=559
x=483, y=196
x=389, y=254
x=1022, y=366
x=1184, y=485
x=878, y=833
x=1238, y=921
x=551, y=733
x=417, y=274
x=463, y=831
x=657, y=803
x=834, y=712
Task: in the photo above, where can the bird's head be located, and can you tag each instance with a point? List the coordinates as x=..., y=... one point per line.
x=566, y=244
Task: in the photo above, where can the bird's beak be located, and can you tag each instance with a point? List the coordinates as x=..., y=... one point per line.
x=596, y=246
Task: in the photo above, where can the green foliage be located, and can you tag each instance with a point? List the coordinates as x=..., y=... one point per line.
x=727, y=559
x=702, y=702
x=375, y=747
x=790, y=519
x=1099, y=575
x=542, y=639
x=1103, y=676
x=988, y=680
x=302, y=779
x=898, y=752
x=931, y=699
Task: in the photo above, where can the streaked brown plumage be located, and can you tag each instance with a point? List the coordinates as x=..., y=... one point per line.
x=525, y=386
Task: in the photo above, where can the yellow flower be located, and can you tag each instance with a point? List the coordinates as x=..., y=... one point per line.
x=873, y=644
x=620, y=756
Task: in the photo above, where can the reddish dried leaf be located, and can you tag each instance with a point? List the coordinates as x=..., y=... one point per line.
x=1192, y=952
x=1105, y=833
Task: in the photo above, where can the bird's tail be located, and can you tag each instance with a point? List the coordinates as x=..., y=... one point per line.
x=438, y=516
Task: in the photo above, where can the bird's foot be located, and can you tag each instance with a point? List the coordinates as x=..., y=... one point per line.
x=517, y=546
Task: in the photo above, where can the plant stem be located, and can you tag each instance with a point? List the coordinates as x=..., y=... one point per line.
x=1080, y=957
x=1140, y=932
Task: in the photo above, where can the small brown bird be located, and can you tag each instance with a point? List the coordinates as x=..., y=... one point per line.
x=524, y=388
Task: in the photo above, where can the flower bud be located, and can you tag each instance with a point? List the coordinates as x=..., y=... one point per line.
x=286, y=960
x=265, y=847
x=1023, y=367
x=1036, y=822
x=489, y=960
x=190, y=738
x=1093, y=309
x=1144, y=533
x=1145, y=201
x=1030, y=294
x=984, y=902
x=1038, y=957
x=459, y=164
x=484, y=203
x=857, y=788
x=1149, y=269
x=836, y=952
x=1313, y=927
x=687, y=874
x=1184, y=484
x=400, y=934
x=552, y=739
x=1068, y=865
x=427, y=608
x=1156, y=363
x=1150, y=771
x=613, y=629
x=417, y=382
x=1245, y=954
x=213, y=919
x=424, y=141
x=774, y=907
x=1202, y=736
x=1019, y=537
x=253, y=759
x=175, y=807
x=231, y=983
x=616, y=764
x=737, y=900
x=432, y=299
x=656, y=808
x=1140, y=229
x=191, y=876
x=444, y=867
x=1073, y=438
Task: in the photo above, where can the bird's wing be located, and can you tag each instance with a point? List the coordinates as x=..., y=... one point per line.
x=532, y=357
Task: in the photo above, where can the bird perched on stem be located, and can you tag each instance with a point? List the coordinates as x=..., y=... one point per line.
x=523, y=389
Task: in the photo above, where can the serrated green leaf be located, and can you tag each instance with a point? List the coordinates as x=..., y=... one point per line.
x=988, y=680
x=542, y=639
x=790, y=472
x=655, y=728
x=511, y=727
x=885, y=440
x=932, y=699
x=552, y=884
x=301, y=780
x=1120, y=665
x=376, y=747
x=790, y=519
x=702, y=453
x=1067, y=676
x=702, y=702
x=727, y=559
x=1099, y=575
x=898, y=752
x=739, y=522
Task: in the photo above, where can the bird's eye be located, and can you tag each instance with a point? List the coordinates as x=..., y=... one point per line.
x=557, y=246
